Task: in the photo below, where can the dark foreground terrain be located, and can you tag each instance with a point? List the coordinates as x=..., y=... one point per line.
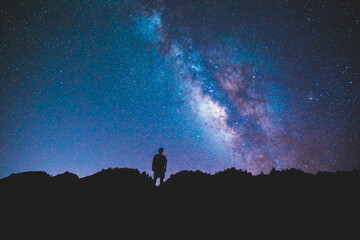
x=124, y=204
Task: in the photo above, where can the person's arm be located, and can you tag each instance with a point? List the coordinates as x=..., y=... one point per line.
x=165, y=165
x=153, y=163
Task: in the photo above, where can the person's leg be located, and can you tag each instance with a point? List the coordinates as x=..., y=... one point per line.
x=162, y=176
x=155, y=177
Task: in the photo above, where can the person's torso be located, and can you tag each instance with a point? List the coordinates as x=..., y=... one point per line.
x=160, y=161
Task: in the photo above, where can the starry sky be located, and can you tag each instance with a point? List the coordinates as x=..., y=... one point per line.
x=86, y=85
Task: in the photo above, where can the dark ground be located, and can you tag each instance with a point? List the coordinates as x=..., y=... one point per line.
x=124, y=204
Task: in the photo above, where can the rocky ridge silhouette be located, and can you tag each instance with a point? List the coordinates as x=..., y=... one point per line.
x=124, y=204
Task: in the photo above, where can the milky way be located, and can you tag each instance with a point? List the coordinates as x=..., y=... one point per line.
x=243, y=84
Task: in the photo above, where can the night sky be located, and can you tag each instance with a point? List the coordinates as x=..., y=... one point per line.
x=88, y=85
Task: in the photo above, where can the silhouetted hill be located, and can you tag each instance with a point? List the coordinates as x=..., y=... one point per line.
x=124, y=204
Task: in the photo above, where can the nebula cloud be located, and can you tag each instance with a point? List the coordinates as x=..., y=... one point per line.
x=234, y=80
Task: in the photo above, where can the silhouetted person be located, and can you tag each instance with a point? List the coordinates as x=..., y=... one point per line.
x=159, y=166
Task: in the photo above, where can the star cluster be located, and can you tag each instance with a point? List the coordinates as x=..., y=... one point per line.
x=87, y=85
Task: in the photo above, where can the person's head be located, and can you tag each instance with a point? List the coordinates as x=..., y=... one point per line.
x=161, y=150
